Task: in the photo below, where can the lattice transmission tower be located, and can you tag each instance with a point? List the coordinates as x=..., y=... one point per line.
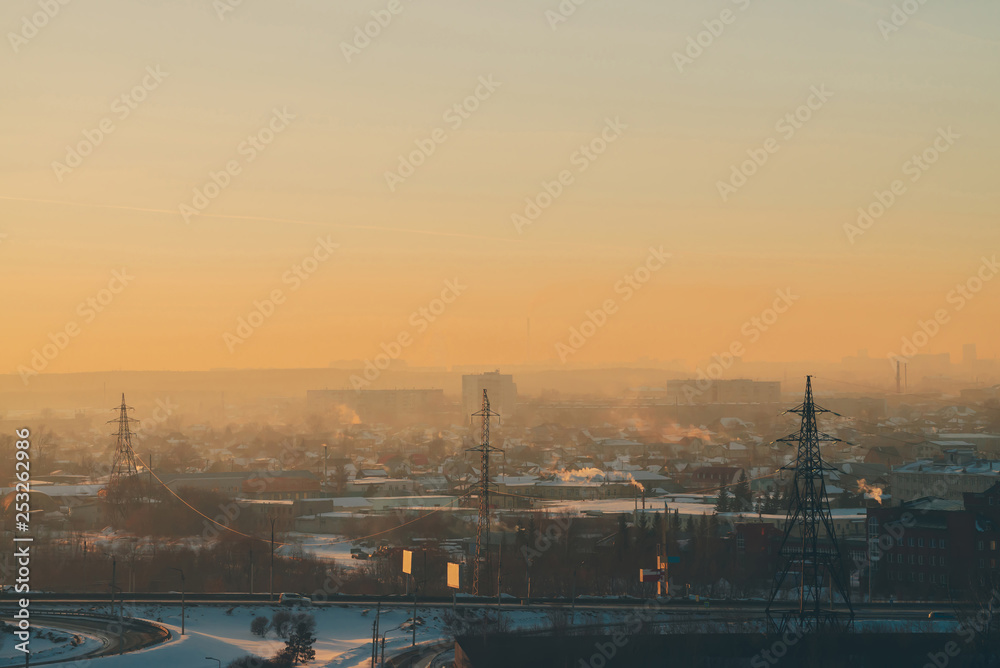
x=481, y=572
x=809, y=548
x=124, y=489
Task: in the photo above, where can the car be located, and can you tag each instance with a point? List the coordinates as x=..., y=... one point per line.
x=937, y=614
x=289, y=598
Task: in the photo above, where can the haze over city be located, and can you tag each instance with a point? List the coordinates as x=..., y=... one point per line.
x=540, y=333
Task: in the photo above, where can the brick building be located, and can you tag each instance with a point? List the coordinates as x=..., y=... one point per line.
x=935, y=548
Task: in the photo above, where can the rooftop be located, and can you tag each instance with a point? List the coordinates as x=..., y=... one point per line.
x=979, y=467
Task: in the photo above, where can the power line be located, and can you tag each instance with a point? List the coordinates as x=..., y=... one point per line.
x=278, y=543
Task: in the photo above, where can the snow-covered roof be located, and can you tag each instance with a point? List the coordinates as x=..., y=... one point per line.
x=59, y=490
x=515, y=480
x=979, y=467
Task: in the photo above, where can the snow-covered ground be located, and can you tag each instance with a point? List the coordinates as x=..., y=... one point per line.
x=344, y=632
x=325, y=546
x=47, y=644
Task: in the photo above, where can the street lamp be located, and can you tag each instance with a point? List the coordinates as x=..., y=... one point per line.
x=181, y=571
x=270, y=577
x=212, y=658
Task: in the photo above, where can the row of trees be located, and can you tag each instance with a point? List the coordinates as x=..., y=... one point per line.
x=75, y=563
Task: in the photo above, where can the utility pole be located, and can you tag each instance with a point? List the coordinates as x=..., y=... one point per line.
x=114, y=569
x=499, y=572
x=572, y=605
x=183, y=588
x=270, y=577
x=251, y=569
x=375, y=625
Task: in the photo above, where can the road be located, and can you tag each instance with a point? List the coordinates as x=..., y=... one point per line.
x=425, y=655
x=898, y=610
x=130, y=636
x=138, y=634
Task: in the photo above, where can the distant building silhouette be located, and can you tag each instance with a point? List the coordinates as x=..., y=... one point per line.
x=501, y=389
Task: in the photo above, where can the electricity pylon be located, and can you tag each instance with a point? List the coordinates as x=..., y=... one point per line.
x=123, y=490
x=809, y=547
x=481, y=573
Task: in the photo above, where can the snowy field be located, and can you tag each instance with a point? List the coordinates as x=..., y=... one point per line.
x=343, y=633
x=326, y=547
x=47, y=645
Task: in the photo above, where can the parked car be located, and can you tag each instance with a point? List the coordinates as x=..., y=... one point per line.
x=294, y=599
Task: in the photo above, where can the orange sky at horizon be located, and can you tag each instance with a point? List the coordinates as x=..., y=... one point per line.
x=320, y=179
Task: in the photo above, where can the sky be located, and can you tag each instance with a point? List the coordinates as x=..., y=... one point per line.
x=372, y=177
